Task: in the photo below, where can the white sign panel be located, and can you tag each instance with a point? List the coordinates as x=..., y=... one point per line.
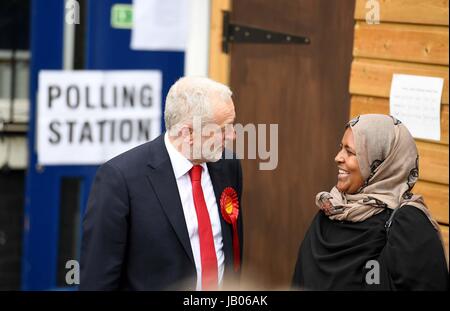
x=88, y=117
x=416, y=101
x=160, y=25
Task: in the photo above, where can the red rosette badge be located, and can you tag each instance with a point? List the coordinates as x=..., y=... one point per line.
x=229, y=207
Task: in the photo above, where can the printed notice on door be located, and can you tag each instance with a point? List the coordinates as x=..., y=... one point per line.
x=416, y=102
x=160, y=25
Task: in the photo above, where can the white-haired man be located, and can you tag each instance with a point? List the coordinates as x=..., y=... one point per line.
x=166, y=214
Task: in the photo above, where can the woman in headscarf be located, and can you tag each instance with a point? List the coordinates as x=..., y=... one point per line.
x=372, y=232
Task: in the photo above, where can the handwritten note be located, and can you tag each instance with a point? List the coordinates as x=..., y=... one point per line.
x=416, y=101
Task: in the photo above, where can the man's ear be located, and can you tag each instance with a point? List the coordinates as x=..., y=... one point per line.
x=191, y=136
x=186, y=133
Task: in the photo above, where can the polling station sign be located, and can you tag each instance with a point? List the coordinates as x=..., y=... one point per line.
x=88, y=117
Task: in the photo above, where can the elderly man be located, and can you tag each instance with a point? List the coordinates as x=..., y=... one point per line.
x=166, y=214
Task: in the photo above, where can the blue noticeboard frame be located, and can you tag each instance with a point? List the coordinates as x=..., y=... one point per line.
x=106, y=49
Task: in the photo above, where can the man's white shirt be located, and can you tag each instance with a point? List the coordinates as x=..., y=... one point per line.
x=181, y=167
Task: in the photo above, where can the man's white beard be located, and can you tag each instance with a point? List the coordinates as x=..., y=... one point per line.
x=211, y=155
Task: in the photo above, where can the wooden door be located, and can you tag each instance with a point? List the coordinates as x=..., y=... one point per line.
x=303, y=89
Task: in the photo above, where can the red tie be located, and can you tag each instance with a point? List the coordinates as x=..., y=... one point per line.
x=207, y=250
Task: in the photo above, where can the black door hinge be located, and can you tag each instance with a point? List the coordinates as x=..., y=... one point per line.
x=234, y=33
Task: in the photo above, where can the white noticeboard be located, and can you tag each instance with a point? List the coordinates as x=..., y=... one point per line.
x=416, y=102
x=160, y=25
x=88, y=117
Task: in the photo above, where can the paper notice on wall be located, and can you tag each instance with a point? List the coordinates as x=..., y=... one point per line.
x=160, y=25
x=416, y=102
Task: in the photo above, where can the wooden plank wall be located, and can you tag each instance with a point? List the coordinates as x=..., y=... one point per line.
x=412, y=38
x=219, y=62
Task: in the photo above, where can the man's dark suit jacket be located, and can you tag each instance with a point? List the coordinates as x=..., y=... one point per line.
x=134, y=231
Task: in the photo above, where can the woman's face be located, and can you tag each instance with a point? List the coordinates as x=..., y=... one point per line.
x=349, y=175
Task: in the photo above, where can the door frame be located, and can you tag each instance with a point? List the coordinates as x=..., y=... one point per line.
x=219, y=62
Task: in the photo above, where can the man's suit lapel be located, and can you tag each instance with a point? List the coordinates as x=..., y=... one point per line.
x=164, y=184
x=216, y=173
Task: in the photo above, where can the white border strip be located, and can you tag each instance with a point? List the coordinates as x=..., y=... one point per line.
x=197, y=51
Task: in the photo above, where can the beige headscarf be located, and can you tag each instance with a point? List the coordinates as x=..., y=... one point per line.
x=389, y=163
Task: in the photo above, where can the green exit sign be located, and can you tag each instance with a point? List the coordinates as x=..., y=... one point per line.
x=122, y=16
